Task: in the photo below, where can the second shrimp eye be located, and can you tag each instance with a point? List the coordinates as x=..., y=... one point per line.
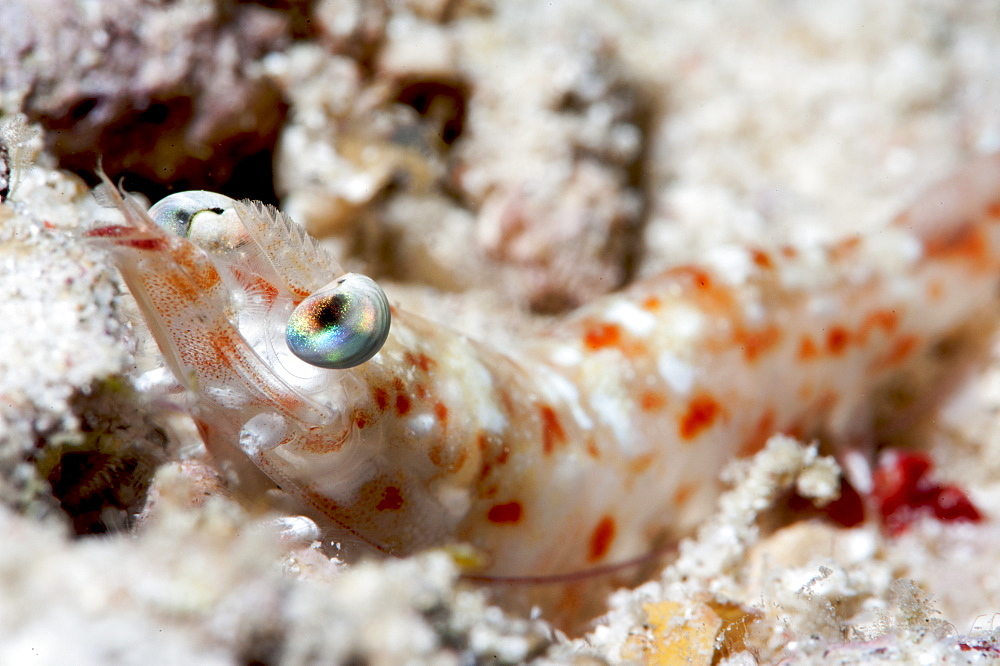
x=205, y=218
x=342, y=325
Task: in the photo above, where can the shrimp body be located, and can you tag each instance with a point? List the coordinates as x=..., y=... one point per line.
x=599, y=438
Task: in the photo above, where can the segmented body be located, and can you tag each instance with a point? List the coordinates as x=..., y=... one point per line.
x=599, y=438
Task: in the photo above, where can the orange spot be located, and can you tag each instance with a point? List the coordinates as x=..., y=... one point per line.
x=845, y=247
x=420, y=360
x=651, y=303
x=807, y=349
x=698, y=276
x=642, y=463
x=601, y=538
x=600, y=335
x=448, y=459
x=789, y=252
x=935, y=290
x=552, y=430
x=967, y=242
x=441, y=413
x=683, y=493
x=392, y=500
x=836, y=340
x=592, y=449
x=503, y=455
x=993, y=209
x=887, y=320
x=381, y=398
x=755, y=343
x=402, y=405
x=899, y=352
x=761, y=258
x=482, y=441
x=701, y=414
x=709, y=296
x=651, y=401
x=436, y=454
x=761, y=432
x=505, y=514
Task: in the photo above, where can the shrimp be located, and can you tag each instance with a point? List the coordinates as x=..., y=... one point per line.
x=601, y=437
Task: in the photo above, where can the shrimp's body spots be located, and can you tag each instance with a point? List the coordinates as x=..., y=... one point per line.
x=605, y=435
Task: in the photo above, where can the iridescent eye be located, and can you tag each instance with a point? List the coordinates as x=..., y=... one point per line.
x=342, y=325
x=206, y=218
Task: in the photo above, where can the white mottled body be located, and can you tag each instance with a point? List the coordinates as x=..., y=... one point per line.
x=603, y=436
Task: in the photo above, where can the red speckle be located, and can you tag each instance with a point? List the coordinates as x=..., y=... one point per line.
x=504, y=455
x=701, y=414
x=392, y=500
x=845, y=247
x=599, y=336
x=121, y=233
x=887, y=320
x=360, y=419
x=381, y=398
x=755, y=343
x=402, y=405
x=981, y=645
x=552, y=430
x=836, y=340
x=904, y=492
x=505, y=514
x=683, y=494
x=901, y=349
x=441, y=413
x=420, y=360
x=967, y=242
x=807, y=349
x=702, y=279
x=761, y=258
x=652, y=401
x=601, y=538
x=761, y=432
x=640, y=464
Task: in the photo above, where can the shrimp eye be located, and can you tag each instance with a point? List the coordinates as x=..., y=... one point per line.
x=342, y=325
x=206, y=218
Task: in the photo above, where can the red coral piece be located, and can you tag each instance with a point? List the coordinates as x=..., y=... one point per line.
x=904, y=491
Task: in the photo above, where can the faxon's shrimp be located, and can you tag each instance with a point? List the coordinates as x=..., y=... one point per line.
x=601, y=437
